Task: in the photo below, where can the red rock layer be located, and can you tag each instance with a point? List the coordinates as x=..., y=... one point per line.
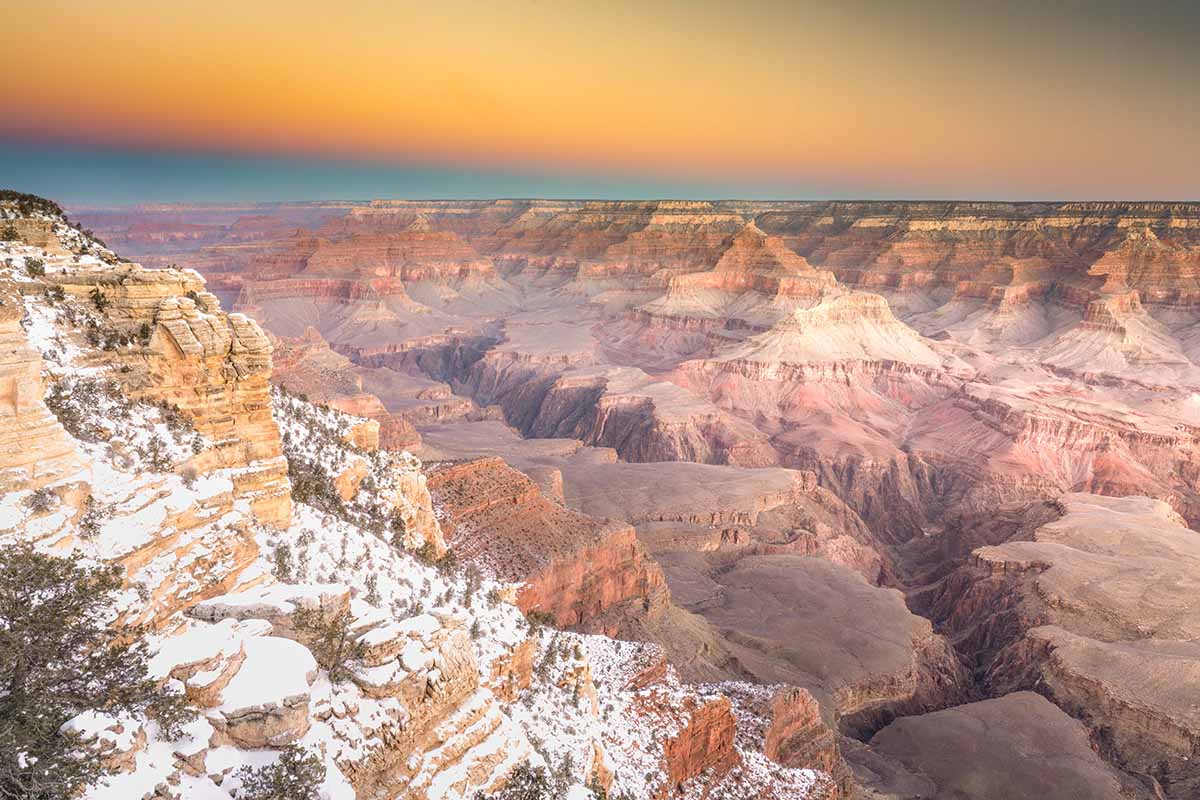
x=586, y=573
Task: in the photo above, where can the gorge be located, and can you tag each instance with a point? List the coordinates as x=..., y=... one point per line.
x=744, y=499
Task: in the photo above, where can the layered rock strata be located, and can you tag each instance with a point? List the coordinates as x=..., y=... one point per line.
x=585, y=573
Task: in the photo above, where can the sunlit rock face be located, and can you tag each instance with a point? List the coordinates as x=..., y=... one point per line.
x=701, y=423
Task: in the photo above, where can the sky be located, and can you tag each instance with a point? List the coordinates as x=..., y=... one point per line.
x=127, y=101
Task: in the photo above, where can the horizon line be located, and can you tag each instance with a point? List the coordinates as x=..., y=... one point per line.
x=631, y=199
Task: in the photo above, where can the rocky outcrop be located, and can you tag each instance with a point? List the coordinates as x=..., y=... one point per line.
x=798, y=737
x=1034, y=750
x=585, y=573
x=308, y=366
x=704, y=743
x=34, y=448
x=1094, y=610
x=785, y=724
x=213, y=367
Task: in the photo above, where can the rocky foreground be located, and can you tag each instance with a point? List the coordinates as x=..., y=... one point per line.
x=870, y=472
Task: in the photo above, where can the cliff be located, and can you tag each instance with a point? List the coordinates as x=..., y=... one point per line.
x=585, y=573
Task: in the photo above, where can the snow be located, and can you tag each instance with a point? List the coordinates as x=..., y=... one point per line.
x=195, y=644
x=415, y=657
x=276, y=672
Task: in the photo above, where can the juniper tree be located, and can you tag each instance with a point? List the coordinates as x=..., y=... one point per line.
x=526, y=782
x=58, y=659
x=297, y=775
x=99, y=299
x=330, y=639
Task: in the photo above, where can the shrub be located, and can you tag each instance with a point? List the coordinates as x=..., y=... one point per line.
x=473, y=580
x=427, y=554
x=29, y=204
x=9, y=234
x=564, y=774
x=93, y=515
x=525, y=782
x=538, y=620
x=297, y=775
x=284, y=569
x=55, y=294
x=330, y=639
x=312, y=485
x=448, y=563
x=99, y=299
x=41, y=501
x=66, y=400
x=195, y=298
x=58, y=659
x=35, y=267
x=155, y=455
x=189, y=474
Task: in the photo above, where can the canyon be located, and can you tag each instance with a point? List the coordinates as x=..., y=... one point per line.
x=877, y=500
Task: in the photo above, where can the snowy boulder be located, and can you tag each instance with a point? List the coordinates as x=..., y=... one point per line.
x=206, y=657
x=386, y=680
x=265, y=704
x=383, y=644
x=416, y=657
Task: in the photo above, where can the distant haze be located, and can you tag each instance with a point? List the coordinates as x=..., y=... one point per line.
x=122, y=101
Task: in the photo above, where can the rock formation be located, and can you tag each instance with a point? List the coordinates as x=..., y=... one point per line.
x=584, y=573
x=1096, y=610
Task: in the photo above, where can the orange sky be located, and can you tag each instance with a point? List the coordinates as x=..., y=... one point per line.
x=916, y=94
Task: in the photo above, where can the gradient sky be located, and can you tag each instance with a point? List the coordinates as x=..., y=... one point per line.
x=127, y=100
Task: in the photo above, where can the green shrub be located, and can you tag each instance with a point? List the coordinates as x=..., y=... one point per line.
x=28, y=204
x=525, y=782
x=538, y=620
x=195, y=298
x=58, y=659
x=41, y=501
x=329, y=638
x=313, y=486
x=99, y=299
x=297, y=775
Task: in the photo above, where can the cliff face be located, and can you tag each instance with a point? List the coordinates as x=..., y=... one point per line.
x=585, y=573
x=26, y=420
